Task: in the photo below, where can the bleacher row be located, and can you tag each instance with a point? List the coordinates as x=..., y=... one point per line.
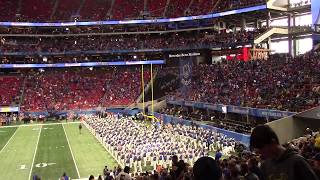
x=52, y=10
x=278, y=83
x=72, y=88
x=184, y=40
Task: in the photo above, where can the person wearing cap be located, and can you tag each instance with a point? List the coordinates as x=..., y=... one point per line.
x=279, y=162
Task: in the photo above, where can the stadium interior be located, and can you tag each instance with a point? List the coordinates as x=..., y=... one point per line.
x=160, y=89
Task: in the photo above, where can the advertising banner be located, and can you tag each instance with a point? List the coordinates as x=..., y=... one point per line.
x=9, y=109
x=315, y=10
x=91, y=64
x=186, y=65
x=266, y=113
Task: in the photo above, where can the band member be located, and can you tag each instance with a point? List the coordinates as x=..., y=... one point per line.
x=80, y=127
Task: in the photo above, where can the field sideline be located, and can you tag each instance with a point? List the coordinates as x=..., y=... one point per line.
x=48, y=150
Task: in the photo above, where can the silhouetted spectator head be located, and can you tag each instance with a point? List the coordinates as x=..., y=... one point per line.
x=174, y=159
x=206, y=168
x=263, y=139
x=126, y=169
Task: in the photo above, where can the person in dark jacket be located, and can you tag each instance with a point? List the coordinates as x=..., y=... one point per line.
x=279, y=163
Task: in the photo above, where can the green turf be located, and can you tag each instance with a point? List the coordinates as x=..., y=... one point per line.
x=53, y=155
x=5, y=135
x=53, y=148
x=90, y=155
x=16, y=158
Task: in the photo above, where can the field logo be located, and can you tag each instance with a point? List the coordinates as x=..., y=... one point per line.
x=22, y=167
x=42, y=165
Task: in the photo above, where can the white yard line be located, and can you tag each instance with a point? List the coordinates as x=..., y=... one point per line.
x=35, y=152
x=27, y=125
x=102, y=143
x=74, y=161
x=8, y=141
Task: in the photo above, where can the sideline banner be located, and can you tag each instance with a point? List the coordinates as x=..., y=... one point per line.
x=9, y=109
x=315, y=10
x=266, y=113
x=90, y=64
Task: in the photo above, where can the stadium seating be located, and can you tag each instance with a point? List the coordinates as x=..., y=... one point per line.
x=232, y=4
x=177, y=8
x=124, y=9
x=66, y=9
x=124, y=88
x=8, y=10
x=216, y=119
x=41, y=10
x=156, y=7
x=63, y=90
x=199, y=7
x=183, y=40
x=273, y=84
x=81, y=89
x=37, y=10
x=10, y=89
x=95, y=9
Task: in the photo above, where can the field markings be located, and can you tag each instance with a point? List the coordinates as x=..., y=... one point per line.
x=8, y=141
x=74, y=161
x=35, y=152
x=39, y=124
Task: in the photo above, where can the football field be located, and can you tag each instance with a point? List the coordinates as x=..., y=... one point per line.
x=50, y=150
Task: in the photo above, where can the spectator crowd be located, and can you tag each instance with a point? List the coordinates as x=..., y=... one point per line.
x=289, y=84
x=54, y=10
x=184, y=40
x=81, y=88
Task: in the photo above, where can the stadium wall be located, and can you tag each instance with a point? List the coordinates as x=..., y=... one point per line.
x=287, y=129
x=244, y=139
x=158, y=105
x=292, y=127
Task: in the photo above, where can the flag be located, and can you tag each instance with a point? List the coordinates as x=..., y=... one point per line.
x=186, y=65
